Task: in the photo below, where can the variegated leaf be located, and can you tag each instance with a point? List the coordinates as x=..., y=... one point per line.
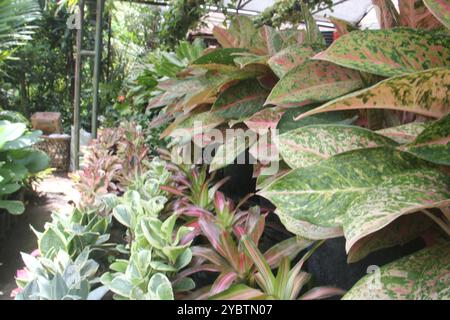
x=387, y=14
x=426, y=93
x=241, y=100
x=314, y=81
x=277, y=40
x=342, y=26
x=390, y=52
x=248, y=59
x=192, y=125
x=414, y=14
x=433, y=144
x=241, y=34
x=313, y=35
x=287, y=122
x=424, y=275
x=285, y=60
x=221, y=56
x=361, y=191
x=264, y=120
x=399, y=232
x=440, y=9
x=234, y=146
x=403, y=134
x=309, y=145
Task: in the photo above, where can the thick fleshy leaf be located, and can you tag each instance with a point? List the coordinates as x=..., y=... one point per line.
x=312, y=144
x=426, y=93
x=314, y=81
x=423, y=275
x=403, y=134
x=363, y=191
x=387, y=15
x=288, y=122
x=241, y=100
x=285, y=60
x=433, y=144
x=390, y=52
x=239, y=292
x=414, y=14
x=440, y=9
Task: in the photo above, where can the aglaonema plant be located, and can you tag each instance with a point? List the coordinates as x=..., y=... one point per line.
x=377, y=188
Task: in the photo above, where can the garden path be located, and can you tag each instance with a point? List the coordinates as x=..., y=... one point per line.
x=56, y=192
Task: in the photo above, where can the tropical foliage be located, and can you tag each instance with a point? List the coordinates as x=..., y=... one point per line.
x=361, y=181
x=18, y=161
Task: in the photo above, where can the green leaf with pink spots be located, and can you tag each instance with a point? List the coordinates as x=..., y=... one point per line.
x=311, y=144
x=390, y=52
x=433, y=144
x=241, y=100
x=359, y=192
x=426, y=93
x=403, y=134
x=285, y=60
x=440, y=9
x=424, y=275
x=314, y=81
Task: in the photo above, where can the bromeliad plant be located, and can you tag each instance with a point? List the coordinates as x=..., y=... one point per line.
x=18, y=162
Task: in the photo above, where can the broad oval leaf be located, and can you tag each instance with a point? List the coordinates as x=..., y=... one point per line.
x=426, y=93
x=399, y=232
x=414, y=14
x=219, y=56
x=423, y=275
x=314, y=81
x=361, y=191
x=433, y=144
x=403, y=134
x=285, y=60
x=241, y=100
x=440, y=9
x=288, y=122
x=312, y=144
x=264, y=120
x=277, y=40
x=390, y=52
